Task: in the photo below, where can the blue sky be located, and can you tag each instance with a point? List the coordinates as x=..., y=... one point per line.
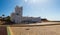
x=49, y=9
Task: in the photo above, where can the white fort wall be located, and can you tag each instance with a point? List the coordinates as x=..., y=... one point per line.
x=18, y=18
x=17, y=15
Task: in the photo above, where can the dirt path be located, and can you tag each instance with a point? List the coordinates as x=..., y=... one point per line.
x=39, y=30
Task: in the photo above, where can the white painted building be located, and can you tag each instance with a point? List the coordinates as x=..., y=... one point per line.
x=32, y=19
x=18, y=18
x=17, y=15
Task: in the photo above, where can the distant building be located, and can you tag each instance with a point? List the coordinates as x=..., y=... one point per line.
x=18, y=18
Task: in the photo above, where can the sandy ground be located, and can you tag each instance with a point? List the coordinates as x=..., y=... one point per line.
x=37, y=30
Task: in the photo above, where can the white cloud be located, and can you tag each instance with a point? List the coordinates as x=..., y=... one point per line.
x=36, y=1
x=25, y=0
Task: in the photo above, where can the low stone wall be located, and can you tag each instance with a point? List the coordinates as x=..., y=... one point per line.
x=3, y=30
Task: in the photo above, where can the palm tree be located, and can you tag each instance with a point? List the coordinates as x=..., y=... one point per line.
x=3, y=16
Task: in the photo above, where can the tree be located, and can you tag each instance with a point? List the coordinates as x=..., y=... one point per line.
x=8, y=18
x=3, y=16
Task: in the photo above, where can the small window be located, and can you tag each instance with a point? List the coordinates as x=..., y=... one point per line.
x=17, y=14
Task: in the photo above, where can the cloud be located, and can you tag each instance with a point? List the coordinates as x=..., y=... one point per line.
x=36, y=1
